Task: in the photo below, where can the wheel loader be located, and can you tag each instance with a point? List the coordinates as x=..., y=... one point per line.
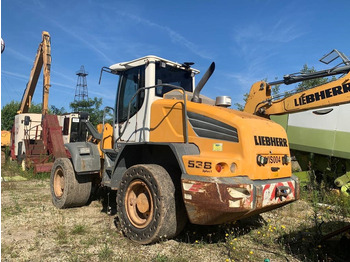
x=173, y=155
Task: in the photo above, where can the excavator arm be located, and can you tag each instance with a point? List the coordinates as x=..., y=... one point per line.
x=261, y=102
x=42, y=60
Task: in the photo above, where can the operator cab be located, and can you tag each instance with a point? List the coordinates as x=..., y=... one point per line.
x=73, y=128
x=150, y=72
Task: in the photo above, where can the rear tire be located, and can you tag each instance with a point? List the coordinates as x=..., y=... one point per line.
x=146, y=204
x=67, y=188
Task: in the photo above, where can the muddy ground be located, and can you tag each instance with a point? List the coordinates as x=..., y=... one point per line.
x=32, y=229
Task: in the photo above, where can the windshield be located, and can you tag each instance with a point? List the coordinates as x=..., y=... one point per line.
x=166, y=74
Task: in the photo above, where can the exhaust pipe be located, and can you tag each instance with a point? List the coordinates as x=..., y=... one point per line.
x=202, y=82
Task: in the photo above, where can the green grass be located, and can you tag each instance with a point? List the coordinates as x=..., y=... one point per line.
x=329, y=211
x=79, y=230
x=15, y=209
x=61, y=235
x=12, y=168
x=105, y=253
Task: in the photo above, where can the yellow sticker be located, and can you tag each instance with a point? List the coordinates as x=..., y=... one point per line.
x=217, y=147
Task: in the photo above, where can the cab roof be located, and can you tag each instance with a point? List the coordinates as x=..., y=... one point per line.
x=145, y=60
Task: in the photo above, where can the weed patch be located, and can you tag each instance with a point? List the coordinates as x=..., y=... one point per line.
x=105, y=253
x=79, y=230
x=61, y=235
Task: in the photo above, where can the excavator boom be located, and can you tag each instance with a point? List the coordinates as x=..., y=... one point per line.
x=337, y=92
x=42, y=60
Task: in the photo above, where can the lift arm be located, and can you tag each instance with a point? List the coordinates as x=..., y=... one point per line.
x=42, y=60
x=260, y=101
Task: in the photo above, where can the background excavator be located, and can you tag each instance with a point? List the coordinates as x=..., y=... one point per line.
x=37, y=139
x=316, y=120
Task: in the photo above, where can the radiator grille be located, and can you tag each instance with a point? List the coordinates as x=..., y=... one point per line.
x=208, y=127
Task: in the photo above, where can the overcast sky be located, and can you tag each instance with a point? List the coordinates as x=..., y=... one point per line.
x=248, y=40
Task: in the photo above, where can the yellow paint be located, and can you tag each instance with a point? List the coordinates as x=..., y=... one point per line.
x=107, y=141
x=329, y=94
x=167, y=126
x=5, y=138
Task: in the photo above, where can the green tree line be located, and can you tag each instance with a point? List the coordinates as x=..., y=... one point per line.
x=91, y=106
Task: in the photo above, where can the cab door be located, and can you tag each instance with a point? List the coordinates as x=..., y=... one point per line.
x=129, y=104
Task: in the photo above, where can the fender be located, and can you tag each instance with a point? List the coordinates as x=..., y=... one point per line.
x=145, y=153
x=85, y=157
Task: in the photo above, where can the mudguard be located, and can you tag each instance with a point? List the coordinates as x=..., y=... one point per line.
x=85, y=157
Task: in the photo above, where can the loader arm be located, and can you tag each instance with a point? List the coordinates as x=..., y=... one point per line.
x=42, y=60
x=337, y=92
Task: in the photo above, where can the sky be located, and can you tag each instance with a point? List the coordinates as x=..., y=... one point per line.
x=248, y=40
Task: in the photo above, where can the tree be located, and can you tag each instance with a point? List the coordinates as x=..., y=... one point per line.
x=307, y=84
x=56, y=111
x=91, y=106
x=239, y=106
x=9, y=111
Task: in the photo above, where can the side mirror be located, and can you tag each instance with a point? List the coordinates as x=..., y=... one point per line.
x=26, y=120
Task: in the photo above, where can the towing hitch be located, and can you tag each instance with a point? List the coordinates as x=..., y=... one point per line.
x=283, y=191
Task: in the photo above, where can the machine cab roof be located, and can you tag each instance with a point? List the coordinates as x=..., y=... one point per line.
x=119, y=67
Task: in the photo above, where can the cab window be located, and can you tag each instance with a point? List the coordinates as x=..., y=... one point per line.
x=166, y=74
x=129, y=82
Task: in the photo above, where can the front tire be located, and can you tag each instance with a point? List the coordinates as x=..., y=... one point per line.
x=67, y=188
x=146, y=204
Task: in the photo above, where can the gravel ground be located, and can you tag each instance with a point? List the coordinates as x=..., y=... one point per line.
x=32, y=229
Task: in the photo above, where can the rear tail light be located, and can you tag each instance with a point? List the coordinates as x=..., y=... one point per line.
x=219, y=167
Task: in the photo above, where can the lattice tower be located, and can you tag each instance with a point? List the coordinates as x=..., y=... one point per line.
x=81, y=90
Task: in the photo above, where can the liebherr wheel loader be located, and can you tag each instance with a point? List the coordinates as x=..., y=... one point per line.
x=176, y=155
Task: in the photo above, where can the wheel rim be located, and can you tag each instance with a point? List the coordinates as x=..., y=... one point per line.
x=139, y=204
x=58, y=182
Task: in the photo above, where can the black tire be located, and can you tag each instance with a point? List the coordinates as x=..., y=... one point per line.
x=68, y=189
x=146, y=204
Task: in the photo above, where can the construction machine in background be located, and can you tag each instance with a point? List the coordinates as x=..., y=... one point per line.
x=27, y=126
x=42, y=61
x=5, y=138
x=37, y=139
x=5, y=144
x=176, y=155
x=316, y=120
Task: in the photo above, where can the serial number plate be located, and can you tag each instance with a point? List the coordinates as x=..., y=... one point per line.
x=271, y=159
